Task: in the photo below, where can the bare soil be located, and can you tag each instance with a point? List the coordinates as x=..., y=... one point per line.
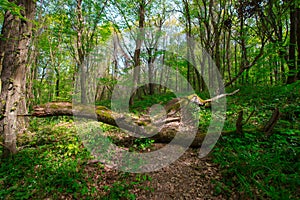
x=187, y=178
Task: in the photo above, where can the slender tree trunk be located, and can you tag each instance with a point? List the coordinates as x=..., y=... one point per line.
x=137, y=52
x=15, y=39
x=243, y=46
x=298, y=38
x=161, y=74
x=57, y=83
x=228, y=55
x=292, y=77
x=188, y=27
x=150, y=72
x=176, y=80
x=235, y=61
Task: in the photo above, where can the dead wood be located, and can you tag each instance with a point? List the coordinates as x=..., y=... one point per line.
x=167, y=128
x=239, y=123
x=140, y=126
x=221, y=96
x=53, y=109
x=272, y=122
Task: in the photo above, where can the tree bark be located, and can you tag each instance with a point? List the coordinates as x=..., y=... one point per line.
x=137, y=51
x=298, y=38
x=292, y=77
x=81, y=53
x=168, y=126
x=228, y=54
x=239, y=123
x=15, y=39
x=188, y=27
x=140, y=125
x=272, y=122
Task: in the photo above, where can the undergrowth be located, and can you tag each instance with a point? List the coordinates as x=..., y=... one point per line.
x=254, y=165
x=259, y=167
x=53, y=164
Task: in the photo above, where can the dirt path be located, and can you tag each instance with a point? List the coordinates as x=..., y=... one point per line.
x=187, y=178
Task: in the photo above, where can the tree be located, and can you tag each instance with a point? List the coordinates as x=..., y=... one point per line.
x=247, y=15
x=137, y=52
x=15, y=39
x=292, y=77
x=274, y=19
x=298, y=38
x=136, y=20
x=86, y=18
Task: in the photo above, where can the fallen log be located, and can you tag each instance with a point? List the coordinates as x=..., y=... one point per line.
x=53, y=109
x=194, y=98
x=166, y=128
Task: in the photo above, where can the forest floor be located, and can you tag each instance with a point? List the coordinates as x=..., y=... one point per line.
x=53, y=162
x=187, y=178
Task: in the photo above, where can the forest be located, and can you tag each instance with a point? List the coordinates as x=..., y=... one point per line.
x=149, y=99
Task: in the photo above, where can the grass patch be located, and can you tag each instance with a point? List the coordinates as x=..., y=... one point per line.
x=53, y=164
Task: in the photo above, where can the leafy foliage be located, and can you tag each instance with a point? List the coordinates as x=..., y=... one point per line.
x=253, y=164
x=260, y=167
x=53, y=164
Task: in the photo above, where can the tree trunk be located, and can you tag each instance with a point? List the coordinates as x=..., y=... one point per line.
x=137, y=52
x=81, y=53
x=228, y=54
x=292, y=77
x=15, y=38
x=298, y=38
x=142, y=125
x=188, y=27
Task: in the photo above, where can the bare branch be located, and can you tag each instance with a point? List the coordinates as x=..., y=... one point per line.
x=221, y=96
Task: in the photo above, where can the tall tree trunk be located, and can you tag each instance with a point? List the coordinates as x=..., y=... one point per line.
x=137, y=52
x=243, y=45
x=298, y=38
x=228, y=54
x=161, y=75
x=151, y=72
x=81, y=53
x=292, y=77
x=57, y=83
x=152, y=55
x=188, y=26
x=15, y=38
x=282, y=53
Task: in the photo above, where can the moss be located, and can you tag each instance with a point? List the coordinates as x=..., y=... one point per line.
x=140, y=123
x=101, y=108
x=13, y=109
x=53, y=106
x=106, y=114
x=198, y=99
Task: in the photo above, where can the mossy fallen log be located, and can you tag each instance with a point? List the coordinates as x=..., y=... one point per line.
x=53, y=109
x=165, y=127
x=140, y=126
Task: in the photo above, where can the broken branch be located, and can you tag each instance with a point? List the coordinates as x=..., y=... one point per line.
x=221, y=96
